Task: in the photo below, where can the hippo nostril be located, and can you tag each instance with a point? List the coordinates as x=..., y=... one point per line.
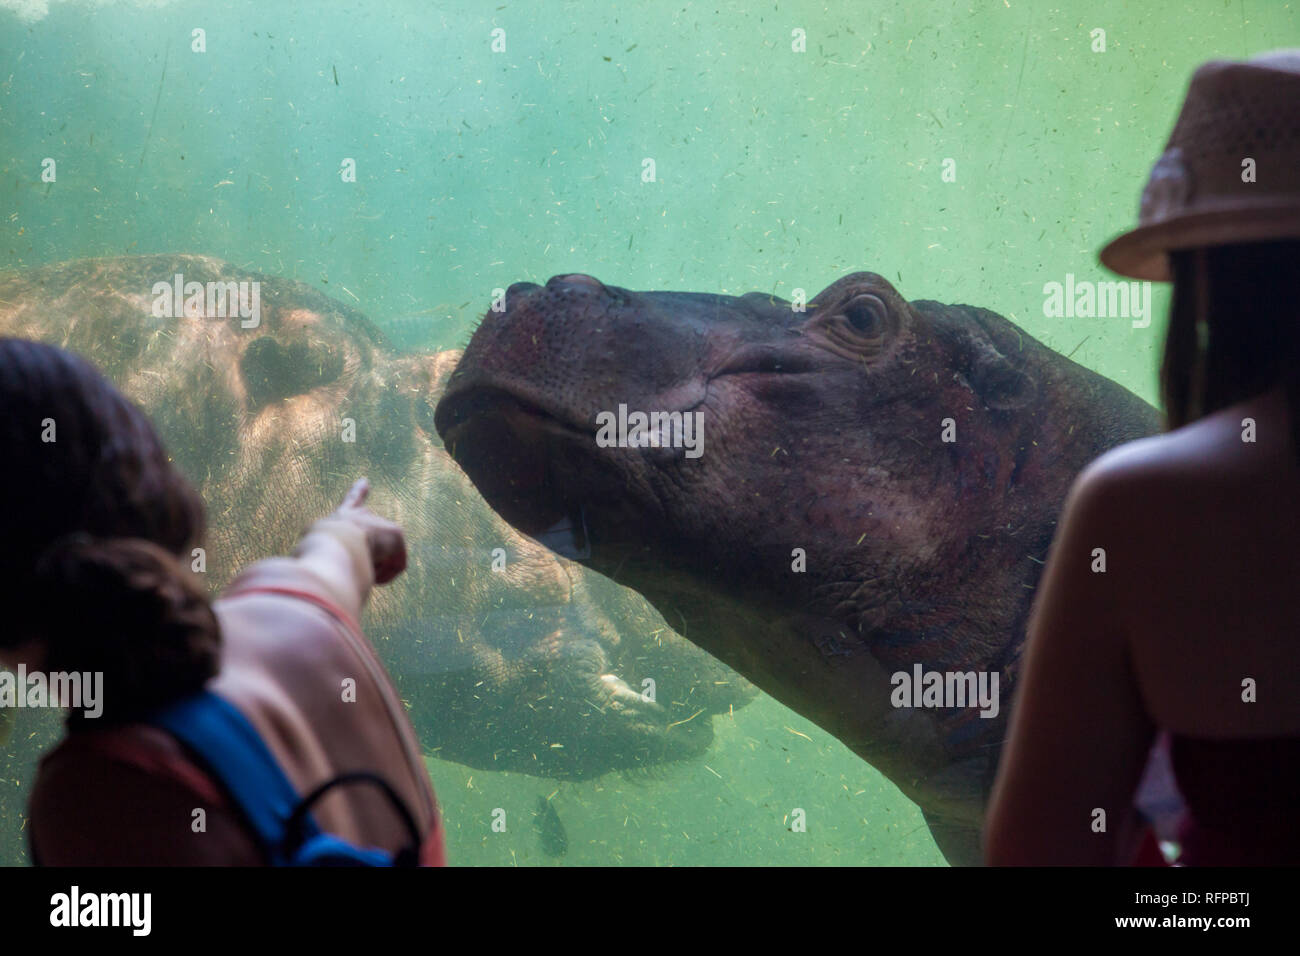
x=575, y=279
x=520, y=288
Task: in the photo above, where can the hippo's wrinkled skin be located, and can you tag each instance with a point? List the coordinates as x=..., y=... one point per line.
x=531, y=668
x=823, y=432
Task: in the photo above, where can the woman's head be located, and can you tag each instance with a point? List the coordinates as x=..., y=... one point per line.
x=95, y=522
x=1220, y=216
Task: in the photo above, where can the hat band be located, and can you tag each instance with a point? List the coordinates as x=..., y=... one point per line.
x=1174, y=192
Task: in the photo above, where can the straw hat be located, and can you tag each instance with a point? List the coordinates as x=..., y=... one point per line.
x=1195, y=195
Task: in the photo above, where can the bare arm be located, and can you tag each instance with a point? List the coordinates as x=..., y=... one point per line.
x=1079, y=733
x=348, y=552
x=335, y=550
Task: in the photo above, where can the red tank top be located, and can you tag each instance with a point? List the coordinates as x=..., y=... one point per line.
x=1242, y=799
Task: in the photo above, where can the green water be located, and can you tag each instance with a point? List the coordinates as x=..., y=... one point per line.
x=774, y=170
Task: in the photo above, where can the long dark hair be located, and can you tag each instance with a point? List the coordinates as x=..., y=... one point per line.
x=95, y=524
x=1234, y=329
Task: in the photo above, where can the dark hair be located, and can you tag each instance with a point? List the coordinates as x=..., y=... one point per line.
x=95, y=523
x=1234, y=329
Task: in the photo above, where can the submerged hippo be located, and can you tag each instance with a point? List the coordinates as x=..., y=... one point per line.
x=860, y=494
x=509, y=657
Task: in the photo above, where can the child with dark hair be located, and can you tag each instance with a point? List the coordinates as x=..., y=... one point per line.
x=98, y=529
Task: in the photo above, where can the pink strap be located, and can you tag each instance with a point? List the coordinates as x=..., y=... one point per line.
x=325, y=604
x=128, y=745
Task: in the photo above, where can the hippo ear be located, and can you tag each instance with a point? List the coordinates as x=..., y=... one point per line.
x=273, y=372
x=997, y=382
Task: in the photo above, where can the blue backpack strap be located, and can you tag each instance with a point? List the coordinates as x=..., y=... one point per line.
x=232, y=749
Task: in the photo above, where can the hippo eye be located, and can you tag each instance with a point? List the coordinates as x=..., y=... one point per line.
x=867, y=314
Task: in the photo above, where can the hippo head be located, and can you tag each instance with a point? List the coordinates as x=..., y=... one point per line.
x=819, y=480
x=821, y=495
x=510, y=657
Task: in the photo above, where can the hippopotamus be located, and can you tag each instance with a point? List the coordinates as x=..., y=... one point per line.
x=509, y=656
x=840, y=498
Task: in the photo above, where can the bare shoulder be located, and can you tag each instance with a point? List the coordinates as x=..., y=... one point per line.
x=1125, y=483
x=1235, y=445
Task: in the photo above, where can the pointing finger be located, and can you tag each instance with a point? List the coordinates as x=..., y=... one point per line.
x=357, y=494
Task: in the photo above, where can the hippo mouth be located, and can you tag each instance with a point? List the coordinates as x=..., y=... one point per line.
x=545, y=474
x=529, y=462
